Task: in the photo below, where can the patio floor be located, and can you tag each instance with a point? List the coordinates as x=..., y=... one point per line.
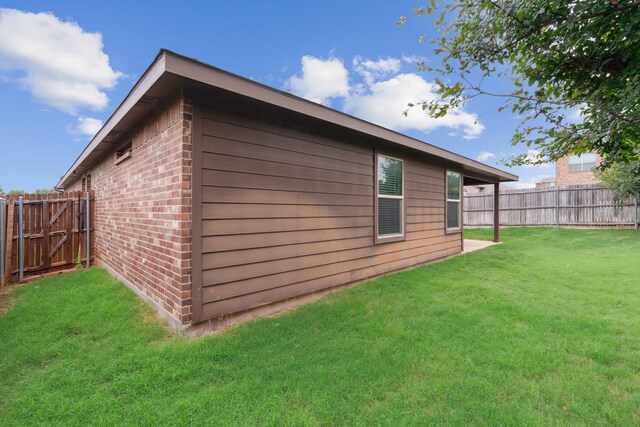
x=474, y=245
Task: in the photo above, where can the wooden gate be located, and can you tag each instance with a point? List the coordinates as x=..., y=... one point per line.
x=54, y=234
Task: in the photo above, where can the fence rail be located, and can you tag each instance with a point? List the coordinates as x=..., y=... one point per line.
x=41, y=234
x=561, y=206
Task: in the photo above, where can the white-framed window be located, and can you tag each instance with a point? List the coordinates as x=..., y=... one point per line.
x=390, y=197
x=454, y=184
x=584, y=162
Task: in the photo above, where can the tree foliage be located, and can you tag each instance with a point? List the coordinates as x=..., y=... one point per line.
x=45, y=191
x=622, y=178
x=22, y=192
x=562, y=56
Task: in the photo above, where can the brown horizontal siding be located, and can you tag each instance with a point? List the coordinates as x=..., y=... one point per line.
x=243, y=132
x=264, y=240
x=282, y=168
x=418, y=235
x=424, y=187
x=358, y=258
x=236, y=211
x=435, y=201
x=380, y=265
x=257, y=181
x=232, y=305
x=292, y=131
x=414, y=193
x=242, y=149
x=434, y=218
x=420, y=172
x=424, y=210
x=272, y=253
x=430, y=222
x=284, y=213
x=279, y=197
x=271, y=225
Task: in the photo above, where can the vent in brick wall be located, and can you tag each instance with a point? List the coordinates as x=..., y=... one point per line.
x=124, y=152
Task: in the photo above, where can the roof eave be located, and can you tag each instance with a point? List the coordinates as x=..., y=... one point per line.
x=150, y=76
x=167, y=62
x=202, y=72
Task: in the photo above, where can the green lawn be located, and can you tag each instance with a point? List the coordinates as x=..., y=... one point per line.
x=541, y=330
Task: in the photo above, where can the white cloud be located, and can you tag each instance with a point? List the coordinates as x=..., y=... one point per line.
x=574, y=115
x=534, y=155
x=57, y=61
x=89, y=125
x=485, y=156
x=374, y=70
x=85, y=126
x=384, y=102
x=529, y=182
x=414, y=59
x=321, y=79
x=380, y=95
x=521, y=185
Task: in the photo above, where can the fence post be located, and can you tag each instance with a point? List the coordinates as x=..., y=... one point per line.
x=88, y=229
x=635, y=216
x=3, y=238
x=20, y=239
x=557, y=207
x=496, y=212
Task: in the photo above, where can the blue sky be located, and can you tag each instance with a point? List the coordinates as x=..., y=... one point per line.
x=65, y=66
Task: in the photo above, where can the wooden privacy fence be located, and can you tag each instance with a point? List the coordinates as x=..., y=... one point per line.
x=560, y=206
x=42, y=234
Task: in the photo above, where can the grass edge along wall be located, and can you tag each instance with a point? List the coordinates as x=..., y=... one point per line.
x=217, y=195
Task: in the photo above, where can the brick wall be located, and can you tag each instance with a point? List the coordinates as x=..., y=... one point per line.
x=565, y=177
x=143, y=211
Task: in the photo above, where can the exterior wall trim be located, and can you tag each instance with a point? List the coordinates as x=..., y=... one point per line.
x=196, y=215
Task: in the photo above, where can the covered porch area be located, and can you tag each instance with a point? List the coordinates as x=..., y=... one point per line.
x=489, y=185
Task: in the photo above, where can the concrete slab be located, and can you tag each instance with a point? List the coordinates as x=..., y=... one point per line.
x=474, y=245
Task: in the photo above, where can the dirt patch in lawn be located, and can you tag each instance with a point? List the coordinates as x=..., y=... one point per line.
x=6, y=298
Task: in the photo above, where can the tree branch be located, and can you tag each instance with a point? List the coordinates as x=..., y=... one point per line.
x=612, y=113
x=614, y=8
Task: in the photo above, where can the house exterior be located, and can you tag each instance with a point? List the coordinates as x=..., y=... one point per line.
x=485, y=188
x=577, y=170
x=218, y=198
x=546, y=183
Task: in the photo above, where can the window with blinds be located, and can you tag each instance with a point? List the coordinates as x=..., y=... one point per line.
x=453, y=200
x=390, y=220
x=585, y=162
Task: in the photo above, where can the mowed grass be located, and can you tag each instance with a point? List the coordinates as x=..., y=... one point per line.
x=543, y=329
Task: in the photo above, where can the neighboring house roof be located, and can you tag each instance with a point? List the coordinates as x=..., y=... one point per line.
x=486, y=188
x=171, y=72
x=548, y=179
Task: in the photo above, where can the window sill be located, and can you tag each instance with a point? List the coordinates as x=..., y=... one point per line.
x=388, y=239
x=122, y=158
x=453, y=230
